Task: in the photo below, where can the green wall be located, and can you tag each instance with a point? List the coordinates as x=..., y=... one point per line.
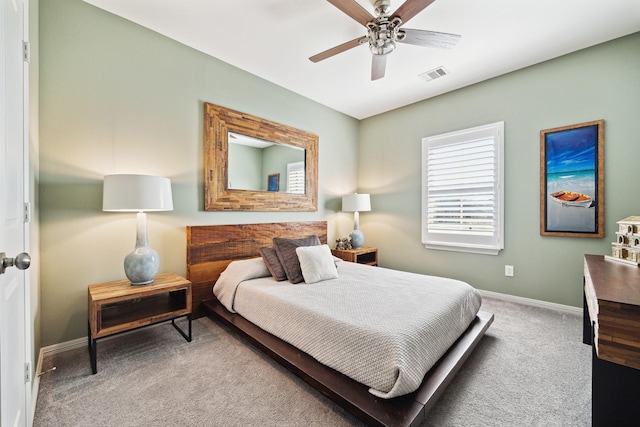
x=118, y=98
x=601, y=82
x=245, y=167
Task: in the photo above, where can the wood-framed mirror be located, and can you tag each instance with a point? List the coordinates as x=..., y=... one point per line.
x=243, y=154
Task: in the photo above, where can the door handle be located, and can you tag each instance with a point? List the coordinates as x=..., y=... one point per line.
x=21, y=261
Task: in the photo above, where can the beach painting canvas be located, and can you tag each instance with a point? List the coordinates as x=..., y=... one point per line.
x=572, y=180
x=273, y=182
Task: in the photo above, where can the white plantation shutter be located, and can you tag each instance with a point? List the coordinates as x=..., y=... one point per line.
x=460, y=187
x=295, y=178
x=462, y=190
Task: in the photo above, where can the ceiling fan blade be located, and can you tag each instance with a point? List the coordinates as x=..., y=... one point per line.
x=430, y=38
x=378, y=65
x=411, y=8
x=338, y=49
x=354, y=10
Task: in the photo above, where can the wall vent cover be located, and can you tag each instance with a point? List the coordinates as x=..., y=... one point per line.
x=434, y=74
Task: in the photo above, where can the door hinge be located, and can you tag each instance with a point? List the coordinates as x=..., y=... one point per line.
x=27, y=372
x=26, y=51
x=27, y=212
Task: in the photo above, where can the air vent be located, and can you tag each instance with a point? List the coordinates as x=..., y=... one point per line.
x=434, y=74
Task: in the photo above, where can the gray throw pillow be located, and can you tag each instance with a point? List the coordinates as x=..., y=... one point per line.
x=286, y=251
x=272, y=262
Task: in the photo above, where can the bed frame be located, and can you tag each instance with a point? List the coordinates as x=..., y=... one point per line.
x=211, y=248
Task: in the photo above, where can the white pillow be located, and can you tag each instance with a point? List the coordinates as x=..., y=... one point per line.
x=316, y=263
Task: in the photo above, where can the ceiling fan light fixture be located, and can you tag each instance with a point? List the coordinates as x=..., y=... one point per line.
x=382, y=36
x=382, y=49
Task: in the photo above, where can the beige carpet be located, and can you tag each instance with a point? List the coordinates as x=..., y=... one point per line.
x=530, y=369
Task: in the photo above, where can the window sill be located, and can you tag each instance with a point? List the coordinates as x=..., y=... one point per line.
x=483, y=250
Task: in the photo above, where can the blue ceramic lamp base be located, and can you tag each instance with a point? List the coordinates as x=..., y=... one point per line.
x=357, y=239
x=357, y=236
x=141, y=265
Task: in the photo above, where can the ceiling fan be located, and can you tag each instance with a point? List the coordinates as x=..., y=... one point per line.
x=383, y=31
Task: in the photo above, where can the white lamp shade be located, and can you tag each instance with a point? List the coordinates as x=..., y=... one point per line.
x=136, y=193
x=356, y=203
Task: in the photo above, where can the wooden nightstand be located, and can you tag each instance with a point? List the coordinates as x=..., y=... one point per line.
x=116, y=307
x=363, y=255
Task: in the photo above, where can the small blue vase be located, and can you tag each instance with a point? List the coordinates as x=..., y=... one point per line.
x=357, y=239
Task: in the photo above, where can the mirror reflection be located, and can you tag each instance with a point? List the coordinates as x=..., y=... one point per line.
x=259, y=165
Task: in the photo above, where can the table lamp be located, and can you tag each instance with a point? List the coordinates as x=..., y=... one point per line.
x=356, y=203
x=138, y=193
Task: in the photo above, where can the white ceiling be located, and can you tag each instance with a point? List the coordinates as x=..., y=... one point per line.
x=273, y=39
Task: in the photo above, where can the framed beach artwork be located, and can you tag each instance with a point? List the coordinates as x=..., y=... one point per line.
x=273, y=183
x=572, y=180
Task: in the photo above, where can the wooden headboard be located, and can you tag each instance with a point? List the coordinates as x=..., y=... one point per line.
x=210, y=248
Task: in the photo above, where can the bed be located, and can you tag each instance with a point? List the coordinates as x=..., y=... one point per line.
x=210, y=249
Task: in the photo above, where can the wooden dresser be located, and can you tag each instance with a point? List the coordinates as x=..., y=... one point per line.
x=612, y=327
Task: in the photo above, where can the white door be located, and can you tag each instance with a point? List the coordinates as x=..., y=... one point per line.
x=14, y=336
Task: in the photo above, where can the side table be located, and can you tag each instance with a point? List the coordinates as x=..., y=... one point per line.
x=116, y=307
x=363, y=255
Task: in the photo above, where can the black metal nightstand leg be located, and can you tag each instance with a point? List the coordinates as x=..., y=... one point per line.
x=186, y=337
x=92, y=350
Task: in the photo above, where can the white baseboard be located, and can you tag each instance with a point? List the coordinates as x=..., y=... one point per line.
x=82, y=342
x=532, y=302
x=62, y=347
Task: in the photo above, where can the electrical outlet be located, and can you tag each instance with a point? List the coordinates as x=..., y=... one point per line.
x=508, y=270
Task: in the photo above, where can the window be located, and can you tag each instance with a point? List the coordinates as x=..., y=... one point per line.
x=462, y=190
x=295, y=178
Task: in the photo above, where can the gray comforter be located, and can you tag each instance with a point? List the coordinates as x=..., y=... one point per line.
x=381, y=327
